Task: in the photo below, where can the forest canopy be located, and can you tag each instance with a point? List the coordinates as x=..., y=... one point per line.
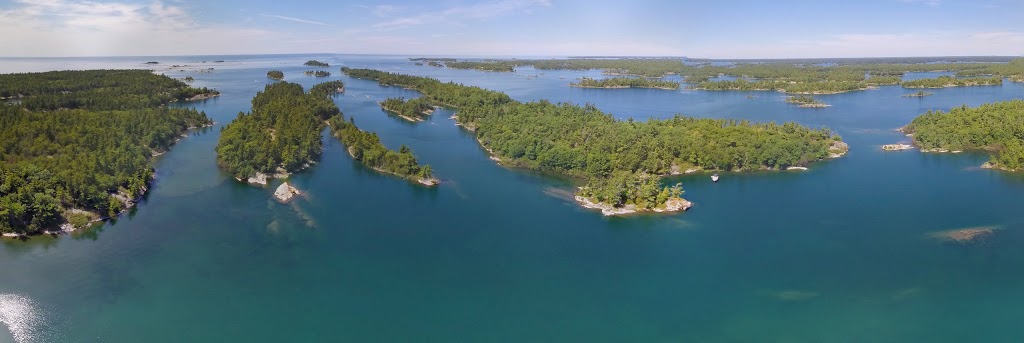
x=583, y=142
x=282, y=132
x=996, y=127
x=74, y=142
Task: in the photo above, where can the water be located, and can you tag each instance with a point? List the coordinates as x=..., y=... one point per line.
x=839, y=253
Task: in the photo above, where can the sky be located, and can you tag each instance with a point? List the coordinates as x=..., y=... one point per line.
x=705, y=29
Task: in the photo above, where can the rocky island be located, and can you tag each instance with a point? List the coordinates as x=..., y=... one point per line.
x=413, y=110
x=806, y=101
x=990, y=127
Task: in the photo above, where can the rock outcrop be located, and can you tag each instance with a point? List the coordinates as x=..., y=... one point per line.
x=897, y=147
x=286, y=193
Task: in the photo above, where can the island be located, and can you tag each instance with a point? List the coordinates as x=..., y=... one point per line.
x=897, y=147
x=329, y=88
x=621, y=162
x=413, y=110
x=275, y=75
x=315, y=63
x=318, y=73
x=366, y=148
x=279, y=136
x=806, y=101
x=993, y=127
x=919, y=94
x=949, y=81
x=62, y=136
x=497, y=66
x=625, y=82
x=189, y=79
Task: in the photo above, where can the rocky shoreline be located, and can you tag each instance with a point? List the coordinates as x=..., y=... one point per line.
x=672, y=205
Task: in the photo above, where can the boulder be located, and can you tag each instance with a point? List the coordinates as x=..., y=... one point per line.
x=286, y=192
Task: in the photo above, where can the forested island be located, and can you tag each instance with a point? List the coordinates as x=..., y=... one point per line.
x=329, y=88
x=279, y=136
x=625, y=82
x=366, y=148
x=77, y=145
x=616, y=157
x=412, y=110
x=318, y=73
x=949, y=81
x=499, y=66
x=806, y=101
x=275, y=75
x=919, y=94
x=315, y=63
x=996, y=127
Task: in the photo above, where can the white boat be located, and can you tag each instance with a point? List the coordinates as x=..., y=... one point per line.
x=714, y=177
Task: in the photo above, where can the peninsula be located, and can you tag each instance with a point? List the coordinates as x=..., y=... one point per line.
x=949, y=81
x=366, y=148
x=413, y=110
x=625, y=82
x=61, y=137
x=617, y=158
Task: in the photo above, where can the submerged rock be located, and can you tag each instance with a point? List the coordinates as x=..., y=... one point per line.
x=286, y=192
x=966, y=235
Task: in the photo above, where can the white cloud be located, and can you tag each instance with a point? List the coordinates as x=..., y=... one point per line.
x=474, y=12
x=90, y=28
x=293, y=19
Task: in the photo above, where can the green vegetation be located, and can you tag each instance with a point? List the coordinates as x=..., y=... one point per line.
x=315, y=63
x=95, y=89
x=366, y=148
x=949, y=81
x=500, y=66
x=582, y=141
x=997, y=127
x=919, y=94
x=276, y=75
x=282, y=132
x=328, y=88
x=412, y=110
x=625, y=82
x=623, y=187
x=805, y=101
x=83, y=140
x=318, y=73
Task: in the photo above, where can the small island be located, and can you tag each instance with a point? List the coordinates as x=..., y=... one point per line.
x=625, y=193
x=366, y=148
x=189, y=79
x=329, y=88
x=315, y=63
x=413, y=110
x=625, y=82
x=281, y=134
x=993, y=127
x=949, y=81
x=897, y=147
x=919, y=94
x=318, y=73
x=806, y=101
x=275, y=75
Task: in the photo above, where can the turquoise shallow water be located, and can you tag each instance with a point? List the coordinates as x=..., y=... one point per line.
x=839, y=253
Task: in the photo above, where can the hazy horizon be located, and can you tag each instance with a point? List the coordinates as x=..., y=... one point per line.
x=738, y=30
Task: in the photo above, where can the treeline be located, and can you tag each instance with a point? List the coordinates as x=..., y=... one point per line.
x=625, y=82
x=622, y=187
x=949, y=81
x=328, y=88
x=276, y=75
x=318, y=73
x=95, y=157
x=315, y=63
x=582, y=141
x=997, y=127
x=413, y=109
x=282, y=131
x=499, y=66
x=366, y=148
x=95, y=89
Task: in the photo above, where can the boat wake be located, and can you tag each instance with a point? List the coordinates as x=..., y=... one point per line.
x=22, y=318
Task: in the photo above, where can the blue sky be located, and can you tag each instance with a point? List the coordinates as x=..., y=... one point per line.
x=715, y=29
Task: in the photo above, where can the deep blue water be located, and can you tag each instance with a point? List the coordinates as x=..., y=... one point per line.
x=839, y=253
